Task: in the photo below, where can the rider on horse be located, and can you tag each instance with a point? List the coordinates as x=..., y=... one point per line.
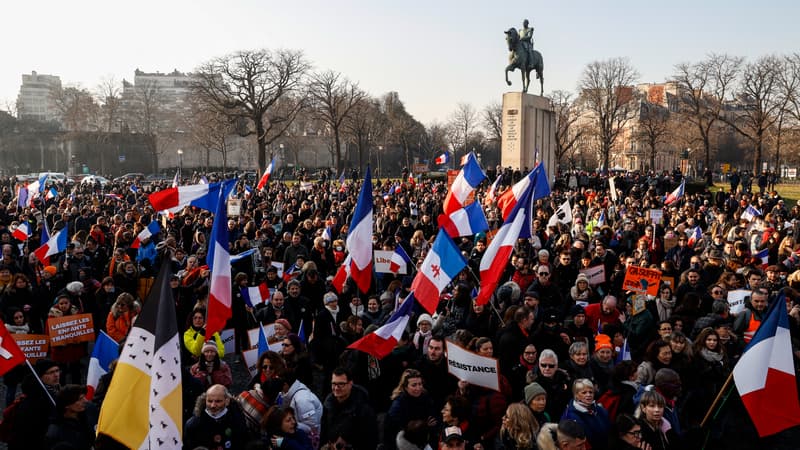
x=526, y=37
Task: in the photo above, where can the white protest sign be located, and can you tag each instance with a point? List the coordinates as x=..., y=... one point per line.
x=736, y=300
x=279, y=266
x=595, y=274
x=612, y=188
x=251, y=360
x=656, y=215
x=228, y=340
x=234, y=207
x=472, y=368
x=382, y=259
x=269, y=332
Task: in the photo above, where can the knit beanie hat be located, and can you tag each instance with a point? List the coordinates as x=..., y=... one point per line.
x=43, y=365
x=210, y=345
x=532, y=391
x=602, y=341
x=424, y=318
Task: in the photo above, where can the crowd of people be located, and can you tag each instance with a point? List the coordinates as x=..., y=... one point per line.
x=581, y=364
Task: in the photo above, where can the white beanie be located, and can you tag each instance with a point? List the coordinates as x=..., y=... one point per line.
x=424, y=318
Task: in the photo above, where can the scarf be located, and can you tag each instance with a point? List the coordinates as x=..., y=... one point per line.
x=710, y=356
x=334, y=311
x=526, y=364
x=218, y=415
x=587, y=408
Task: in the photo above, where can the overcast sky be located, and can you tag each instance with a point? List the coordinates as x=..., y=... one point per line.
x=434, y=53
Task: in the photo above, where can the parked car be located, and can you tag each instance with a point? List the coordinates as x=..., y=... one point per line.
x=130, y=177
x=91, y=180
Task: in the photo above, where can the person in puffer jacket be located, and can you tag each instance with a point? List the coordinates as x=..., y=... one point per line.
x=306, y=405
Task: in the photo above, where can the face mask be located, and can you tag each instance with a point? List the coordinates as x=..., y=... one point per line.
x=129, y=271
x=338, y=249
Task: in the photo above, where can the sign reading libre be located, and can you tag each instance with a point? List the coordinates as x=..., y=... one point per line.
x=634, y=276
x=34, y=346
x=70, y=329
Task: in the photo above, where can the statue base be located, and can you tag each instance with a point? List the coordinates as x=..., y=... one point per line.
x=529, y=133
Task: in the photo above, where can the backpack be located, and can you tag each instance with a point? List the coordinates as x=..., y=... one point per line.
x=7, y=424
x=610, y=400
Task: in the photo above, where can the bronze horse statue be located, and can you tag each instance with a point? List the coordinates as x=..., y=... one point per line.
x=524, y=61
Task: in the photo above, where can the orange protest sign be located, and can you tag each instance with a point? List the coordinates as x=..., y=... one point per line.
x=634, y=277
x=34, y=346
x=70, y=329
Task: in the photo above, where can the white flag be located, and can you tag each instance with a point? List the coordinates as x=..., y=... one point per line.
x=563, y=215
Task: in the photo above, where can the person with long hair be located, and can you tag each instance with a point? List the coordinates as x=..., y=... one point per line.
x=296, y=357
x=409, y=402
x=658, y=356
x=270, y=366
x=121, y=317
x=210, y=369
x=280, y=431
x=456, y=413
x=711, y=368
x=519, y=429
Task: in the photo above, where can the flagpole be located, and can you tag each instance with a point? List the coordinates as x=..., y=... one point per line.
x=491, y=304
x=725, y=387
x=40, y=381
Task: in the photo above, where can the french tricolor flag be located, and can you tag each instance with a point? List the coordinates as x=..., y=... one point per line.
x=51, y=194
x=516, y=225
x=22, y=232
x=134, y=189
x=359, y=238
x=382, y=341
x=105, y=351
x=151, y=230
x=256, y=294
x=265, y=178
x=763, y=255
x=202, y=196
x=465, y=183
x=677, y=194
x=444, y=158
x=443, y=263
x=399, y=259
x=55, y=245
x=537, y=177
x=750, y=213
x=491, y=195
x=765, y=375
x=289, y=273
x=248, y=191
x=219, y=258
x=37, y=186
x=695, y=236
x=465, y=221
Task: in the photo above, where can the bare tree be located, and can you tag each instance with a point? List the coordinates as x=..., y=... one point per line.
x=263, y=86
x=146, y=116
x=211, y=129
x=462, y=124
x=76, y=107
x=435, y=140
x=365, y=126
x=493, y=121
x=789, y=114
x=403, y=128
x=606, y=93
x=759, y=103
x=333, y=100
x=653, y=128
x=702, y=91
x=568, y=134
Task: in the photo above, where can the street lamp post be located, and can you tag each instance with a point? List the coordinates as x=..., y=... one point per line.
x=380, y=151
x=180, y=160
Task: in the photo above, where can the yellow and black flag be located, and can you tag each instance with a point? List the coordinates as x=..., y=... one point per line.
x=143, y=407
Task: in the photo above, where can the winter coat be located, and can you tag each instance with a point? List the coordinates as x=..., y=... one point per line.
x=307, y=407
x=404, y=409
x=354, y=420
x=202, y=430
x=221, y=375
x=595, y=423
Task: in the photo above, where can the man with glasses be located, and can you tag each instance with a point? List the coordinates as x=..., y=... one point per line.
x=549, y=295
x=564, y=271
x=348, y=418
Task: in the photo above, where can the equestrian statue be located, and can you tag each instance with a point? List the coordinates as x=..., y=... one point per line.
x=523, y=56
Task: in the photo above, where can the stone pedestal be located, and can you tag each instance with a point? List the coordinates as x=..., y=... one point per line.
x=529, y=132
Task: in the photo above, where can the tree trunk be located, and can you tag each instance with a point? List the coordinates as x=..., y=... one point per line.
x=262, y=146
x=338, y=147
x=154, y=152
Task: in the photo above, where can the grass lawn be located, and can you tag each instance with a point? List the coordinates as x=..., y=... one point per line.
x=789, y=191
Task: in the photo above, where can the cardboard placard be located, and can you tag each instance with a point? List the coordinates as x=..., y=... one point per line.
x=737, y=299
x=251, y=360
x=472, y=367
x=35, y=346
x=656, y=215
x=383, y=259
x=635, y=275
x=276, y=345
x=70, y=329
x=596, y=274
x=228, y=340
x=234, y=207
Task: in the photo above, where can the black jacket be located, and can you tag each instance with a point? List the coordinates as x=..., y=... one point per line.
x=353, y=420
